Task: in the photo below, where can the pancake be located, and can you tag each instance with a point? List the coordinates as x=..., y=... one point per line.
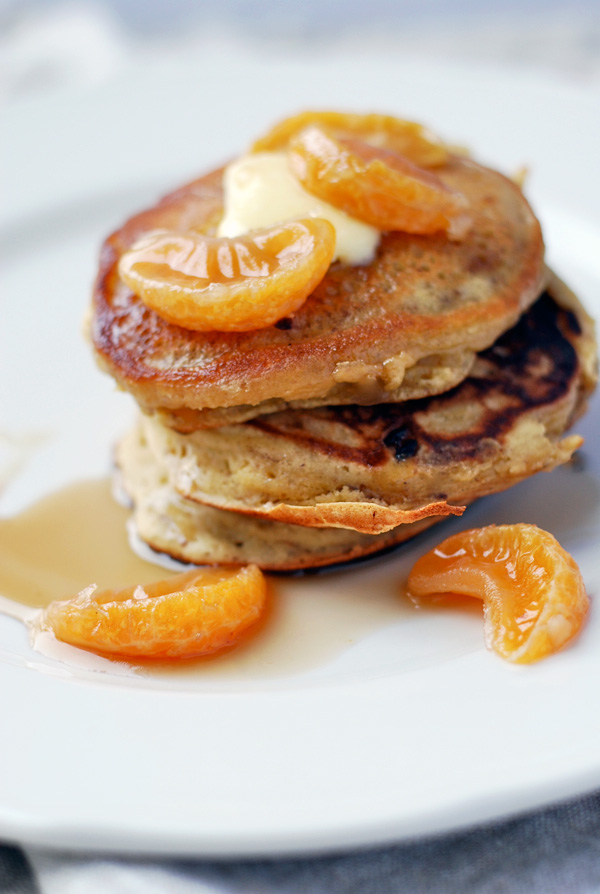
x=431, y=375
x=371, y=469
x=425, y=305
x=177, y=528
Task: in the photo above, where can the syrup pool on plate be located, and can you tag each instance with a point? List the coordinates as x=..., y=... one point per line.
x=77, y=536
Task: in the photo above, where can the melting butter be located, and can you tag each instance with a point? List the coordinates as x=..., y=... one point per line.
x=261, y=191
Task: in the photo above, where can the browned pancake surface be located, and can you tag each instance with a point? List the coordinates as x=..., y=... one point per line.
x=421, y=296
x=373, y=468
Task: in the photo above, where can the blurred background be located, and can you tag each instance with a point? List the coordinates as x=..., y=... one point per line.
x=46, y=44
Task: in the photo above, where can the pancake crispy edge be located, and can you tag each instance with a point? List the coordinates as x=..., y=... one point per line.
x=184, y=530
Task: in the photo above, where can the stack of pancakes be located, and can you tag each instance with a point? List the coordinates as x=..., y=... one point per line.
x=400, y=392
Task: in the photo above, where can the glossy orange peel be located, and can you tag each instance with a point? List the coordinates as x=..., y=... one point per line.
x=533, y=593
x=237, y=284
x=375, y=185
x=408, y=138
x=185, y=616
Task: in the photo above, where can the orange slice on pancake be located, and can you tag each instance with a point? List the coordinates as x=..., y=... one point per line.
x=412, y=140
x=376, y=185
x=234, y=284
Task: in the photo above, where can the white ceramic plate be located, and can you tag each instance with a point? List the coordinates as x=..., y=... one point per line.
x=390, y=728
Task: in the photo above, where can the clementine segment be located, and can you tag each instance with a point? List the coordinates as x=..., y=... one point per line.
x=533, y=592
x=234, y=284
x=377, y=186
x=188, y=615
x=406, y=137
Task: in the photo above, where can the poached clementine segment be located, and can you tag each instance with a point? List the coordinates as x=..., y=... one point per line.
x=412, y=140
x=532, y=590
x=375, y=185
x=185, y=616
x=225, y=284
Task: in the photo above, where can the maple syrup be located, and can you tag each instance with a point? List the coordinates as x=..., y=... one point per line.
x=77, y=536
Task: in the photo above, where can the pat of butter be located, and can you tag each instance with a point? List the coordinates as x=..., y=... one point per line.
x=260, y=191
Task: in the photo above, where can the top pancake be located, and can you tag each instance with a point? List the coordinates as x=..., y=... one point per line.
x=425, y=304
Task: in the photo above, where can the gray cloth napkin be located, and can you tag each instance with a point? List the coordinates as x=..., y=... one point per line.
x=555, y=851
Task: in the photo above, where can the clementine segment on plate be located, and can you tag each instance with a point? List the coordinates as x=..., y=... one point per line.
x=406, y=137
x=185, y=616
x=234, y=284
x=533, y=592
x=377, y=186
